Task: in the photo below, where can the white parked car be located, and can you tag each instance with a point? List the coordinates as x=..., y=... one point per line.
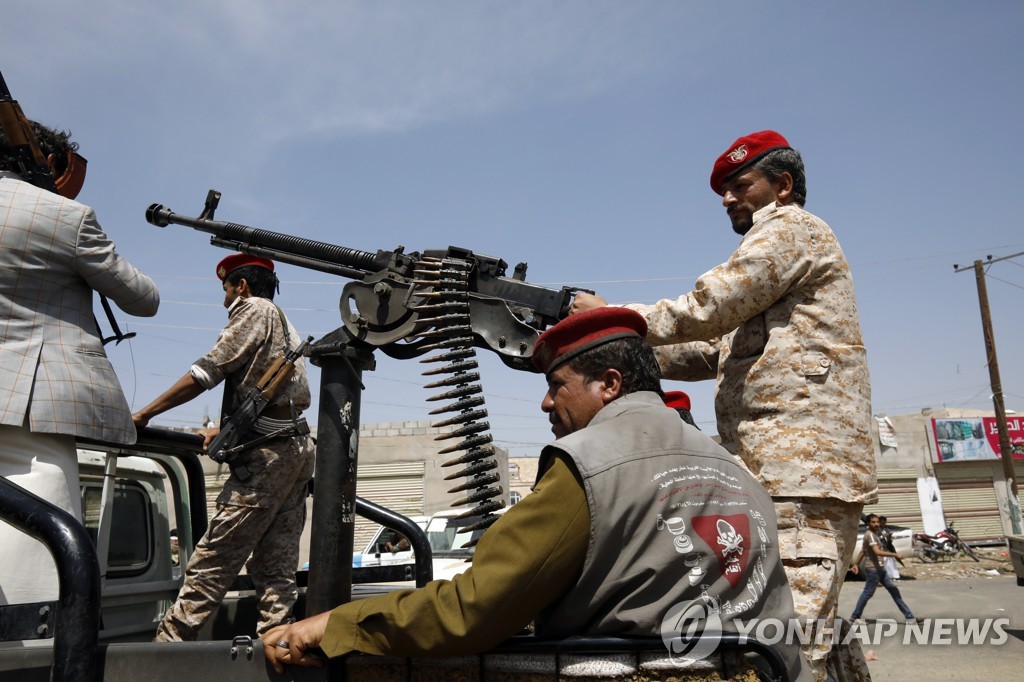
x=387, y=547
x=447, y=540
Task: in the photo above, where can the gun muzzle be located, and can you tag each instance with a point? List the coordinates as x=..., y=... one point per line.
x=159, y=215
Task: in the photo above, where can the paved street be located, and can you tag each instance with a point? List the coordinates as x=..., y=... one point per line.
x=964, y=598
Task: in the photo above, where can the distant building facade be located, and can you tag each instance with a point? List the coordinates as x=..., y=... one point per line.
x=942, y=466
x=398, y=467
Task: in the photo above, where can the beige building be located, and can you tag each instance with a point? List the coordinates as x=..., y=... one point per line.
x=522, y=473
x=398, y=467
x=935, y=467
x=941, y=466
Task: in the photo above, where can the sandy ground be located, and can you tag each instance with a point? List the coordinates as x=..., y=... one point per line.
x=992, y=559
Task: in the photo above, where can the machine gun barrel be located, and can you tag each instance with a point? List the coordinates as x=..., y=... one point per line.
x=465, y=297
x=306, y=253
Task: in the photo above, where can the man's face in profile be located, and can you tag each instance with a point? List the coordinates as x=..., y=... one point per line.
x=745, y=194
x=571, y=401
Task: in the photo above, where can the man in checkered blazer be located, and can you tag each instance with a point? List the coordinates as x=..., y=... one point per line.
x=56, y=382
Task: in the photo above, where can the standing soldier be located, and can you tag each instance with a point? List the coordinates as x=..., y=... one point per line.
x=262, y=508
x=778, y=324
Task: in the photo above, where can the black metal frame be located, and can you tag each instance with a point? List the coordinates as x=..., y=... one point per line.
x=76, y=621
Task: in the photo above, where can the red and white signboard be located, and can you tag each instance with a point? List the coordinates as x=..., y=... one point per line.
x=975, y=438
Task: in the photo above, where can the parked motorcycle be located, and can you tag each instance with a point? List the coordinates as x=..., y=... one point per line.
x=947, y=543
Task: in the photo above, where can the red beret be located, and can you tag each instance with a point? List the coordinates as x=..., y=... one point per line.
x=744, y=152
x=583, y=331
x=240, y=260
x=677, y=400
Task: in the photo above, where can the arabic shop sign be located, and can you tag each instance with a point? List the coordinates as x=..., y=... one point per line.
x=975, y=438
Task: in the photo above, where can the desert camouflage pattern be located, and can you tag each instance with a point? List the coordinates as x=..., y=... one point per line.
x=257, y=525
x=778, y=324
x=817, y=539
x=252, y=339
x=259, y=520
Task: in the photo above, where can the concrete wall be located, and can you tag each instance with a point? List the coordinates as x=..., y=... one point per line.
x=415, y=441
x=522, y=474
x=915, y=440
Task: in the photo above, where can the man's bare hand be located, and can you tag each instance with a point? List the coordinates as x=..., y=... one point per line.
x=291, y=644
x=583, y=302
x=208, y=434
x=140, y=421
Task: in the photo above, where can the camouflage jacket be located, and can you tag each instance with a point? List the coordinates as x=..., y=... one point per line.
x=778, y=324
x=253, y=338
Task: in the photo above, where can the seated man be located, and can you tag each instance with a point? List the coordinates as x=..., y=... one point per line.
x=396, y=542
x=636, y=525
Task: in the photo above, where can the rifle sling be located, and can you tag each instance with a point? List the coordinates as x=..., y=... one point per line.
x=118, y=335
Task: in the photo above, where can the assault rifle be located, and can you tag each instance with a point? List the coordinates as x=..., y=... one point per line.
x=32, y=166
x=226, y=444
x=395, y=297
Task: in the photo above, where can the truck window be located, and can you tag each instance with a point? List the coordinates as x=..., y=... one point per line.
x=131, y=531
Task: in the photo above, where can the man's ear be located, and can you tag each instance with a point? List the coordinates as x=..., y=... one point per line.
x=611, y=385
x=243, y=288
x=783, y=188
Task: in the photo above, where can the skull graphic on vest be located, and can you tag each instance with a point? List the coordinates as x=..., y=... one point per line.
x=730, y=541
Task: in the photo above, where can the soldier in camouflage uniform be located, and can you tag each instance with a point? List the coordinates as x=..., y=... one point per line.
x=259, y=519
x=777, y=325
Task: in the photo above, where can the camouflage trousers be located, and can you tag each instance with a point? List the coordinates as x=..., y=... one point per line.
x=257, y=525
x=817, y=538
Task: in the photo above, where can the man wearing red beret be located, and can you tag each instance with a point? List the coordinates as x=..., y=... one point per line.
x=680, y=402
x=637, y=526
x=777, y=324
x=263, y=514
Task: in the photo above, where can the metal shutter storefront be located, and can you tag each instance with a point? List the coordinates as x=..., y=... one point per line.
x=897, y=498
x=396, y=485
x=969, y=500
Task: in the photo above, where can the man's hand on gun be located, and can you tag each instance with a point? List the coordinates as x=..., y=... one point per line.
x=208, y=434
x=582, y=302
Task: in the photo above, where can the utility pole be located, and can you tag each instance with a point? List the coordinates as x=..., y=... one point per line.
x=1005, y=448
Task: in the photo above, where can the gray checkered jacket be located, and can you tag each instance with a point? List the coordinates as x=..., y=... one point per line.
x=53, y=255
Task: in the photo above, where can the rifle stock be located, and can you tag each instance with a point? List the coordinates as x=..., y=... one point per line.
x=33, y=166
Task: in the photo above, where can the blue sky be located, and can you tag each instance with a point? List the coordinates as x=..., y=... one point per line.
x=575, y=136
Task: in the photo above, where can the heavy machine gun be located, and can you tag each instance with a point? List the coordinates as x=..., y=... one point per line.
x=396, y=299
x=407, y=304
